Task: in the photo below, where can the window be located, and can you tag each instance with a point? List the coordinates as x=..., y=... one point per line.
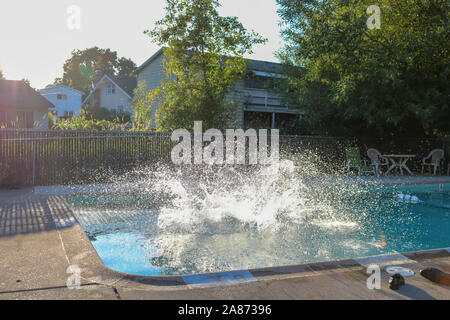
x=257, y=82
x=110, y=89
x=62, y=96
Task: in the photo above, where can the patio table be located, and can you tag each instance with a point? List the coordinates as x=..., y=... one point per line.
x=399, y=161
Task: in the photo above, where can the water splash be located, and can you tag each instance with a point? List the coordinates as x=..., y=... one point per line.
x=226, y=200
x=206, y=219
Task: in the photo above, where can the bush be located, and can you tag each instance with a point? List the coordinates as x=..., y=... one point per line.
x=99, y=113
x=83, y=123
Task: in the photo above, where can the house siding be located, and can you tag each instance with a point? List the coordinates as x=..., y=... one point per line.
x=72, y=104
x=22, y=106
x=153, y=73
x=246, y=99
x=10, y=119
x=113, y=101
x=236, y=95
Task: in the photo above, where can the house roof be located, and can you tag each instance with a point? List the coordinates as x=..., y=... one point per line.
x=60, y=86
x=149, y=60
x=252, y=65
x=16, y=94
x=125, y=83
x=128, y=84
x=266, y=66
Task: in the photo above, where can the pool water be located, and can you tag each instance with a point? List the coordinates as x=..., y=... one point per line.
x=145, y=234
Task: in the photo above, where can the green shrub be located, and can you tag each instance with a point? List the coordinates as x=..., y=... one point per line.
x=99, y=113
x=83, y=123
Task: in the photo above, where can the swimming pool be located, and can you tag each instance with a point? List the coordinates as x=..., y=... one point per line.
x=149, y=234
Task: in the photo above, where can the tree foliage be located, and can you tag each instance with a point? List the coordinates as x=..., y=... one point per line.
x=203, y=58
x=352, y=80
x=82, y=67
x=1, y=74
x=83, y=122
x=99, y=113
x=141, y=103
x=26, y=81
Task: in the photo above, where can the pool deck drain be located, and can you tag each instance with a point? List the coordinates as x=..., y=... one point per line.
x=39, y=242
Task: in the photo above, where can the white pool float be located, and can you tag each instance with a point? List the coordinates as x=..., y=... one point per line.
x=415, y=199
x=405, y=272
x=406, y=198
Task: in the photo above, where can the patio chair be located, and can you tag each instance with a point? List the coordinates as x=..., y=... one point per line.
x=377, y=160
x=433, y=160
x=354, y=162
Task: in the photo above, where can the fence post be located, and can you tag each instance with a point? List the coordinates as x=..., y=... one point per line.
x=33, y=179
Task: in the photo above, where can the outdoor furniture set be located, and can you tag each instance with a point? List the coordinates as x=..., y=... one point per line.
x=386, y=163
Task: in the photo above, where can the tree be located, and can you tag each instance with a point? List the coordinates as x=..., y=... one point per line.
x=82, y=67
x=141, y=103
x=1, y=74
x=126, y=67
x=26, y=81
x=203, y=59
x=352, y=80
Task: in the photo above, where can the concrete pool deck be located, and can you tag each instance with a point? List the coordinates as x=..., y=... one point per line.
x=36, y=252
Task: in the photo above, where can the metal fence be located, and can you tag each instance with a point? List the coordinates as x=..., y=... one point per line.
x=36, y=157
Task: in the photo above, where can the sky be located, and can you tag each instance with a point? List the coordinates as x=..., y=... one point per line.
x=35, y=39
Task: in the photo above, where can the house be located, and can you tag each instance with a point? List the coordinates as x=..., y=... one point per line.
x=67, y=101
x=257, y=106
x=113, y=93
x=22, y=107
